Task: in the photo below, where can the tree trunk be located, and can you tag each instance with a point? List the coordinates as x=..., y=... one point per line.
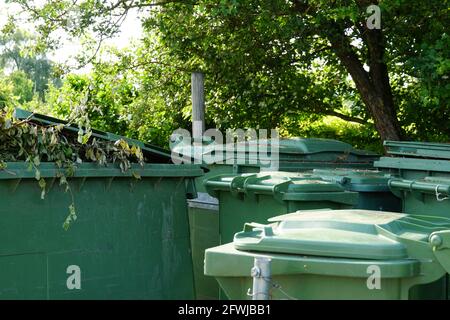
x=374, y=85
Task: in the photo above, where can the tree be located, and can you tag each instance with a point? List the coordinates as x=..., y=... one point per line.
x=23, y=87
x=268, y=58
x=123, y=98
x=7, y=98
x=15, y=56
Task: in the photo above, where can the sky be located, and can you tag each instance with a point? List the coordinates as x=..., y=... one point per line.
x=131, y=30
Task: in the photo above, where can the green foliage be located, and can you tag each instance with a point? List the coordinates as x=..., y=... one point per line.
x=23, y=87
x=267, y=63
x=7, y=97
x=16, y=54
x=358, y=135
x=104, y=99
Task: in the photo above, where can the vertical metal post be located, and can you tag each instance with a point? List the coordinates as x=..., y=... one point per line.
x=262, y=279
x=198, y=105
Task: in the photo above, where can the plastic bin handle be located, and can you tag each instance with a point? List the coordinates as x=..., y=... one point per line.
x=266, y=230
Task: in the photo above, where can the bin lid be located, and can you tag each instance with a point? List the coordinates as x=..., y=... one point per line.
x=284, y=186
x=155, y=153
x=418, y=149
x=289, y=150
x=297, y=145
x=359, y=234
x=356, y=179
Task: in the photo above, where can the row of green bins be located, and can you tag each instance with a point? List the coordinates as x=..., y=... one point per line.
x=257, y=197
x=294, y=155
x=338, y=254
x=372, y=186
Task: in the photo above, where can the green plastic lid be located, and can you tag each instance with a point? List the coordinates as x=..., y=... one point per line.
x=298, y=145
x=359, y=234
x=418, y=149
x=283, y=186
x=289, y=151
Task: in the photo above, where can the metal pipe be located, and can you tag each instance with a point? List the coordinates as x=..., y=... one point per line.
x=424, y=187
x=261, y=273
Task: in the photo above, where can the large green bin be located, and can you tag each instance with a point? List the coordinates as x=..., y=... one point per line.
x=416, y=160
x=256, y=197
x=130, y=240
x=372, y=186
x=338, y=254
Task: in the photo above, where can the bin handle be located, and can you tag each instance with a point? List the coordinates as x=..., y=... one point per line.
x=438, y=195
x=266, y=230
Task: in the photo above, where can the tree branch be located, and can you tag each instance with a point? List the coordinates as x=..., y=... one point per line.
x=345, y=117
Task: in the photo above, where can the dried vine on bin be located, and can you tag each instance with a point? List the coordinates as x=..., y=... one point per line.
x=34, y=143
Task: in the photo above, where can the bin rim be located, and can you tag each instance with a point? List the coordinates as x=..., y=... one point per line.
x=416, y=149
x=413, y=164
x=20, y=170
x=285, y=264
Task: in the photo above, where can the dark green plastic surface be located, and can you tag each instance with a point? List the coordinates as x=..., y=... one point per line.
x=130, y=239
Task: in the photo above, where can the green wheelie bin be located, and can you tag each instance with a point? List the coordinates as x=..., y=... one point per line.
x=337, y=254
